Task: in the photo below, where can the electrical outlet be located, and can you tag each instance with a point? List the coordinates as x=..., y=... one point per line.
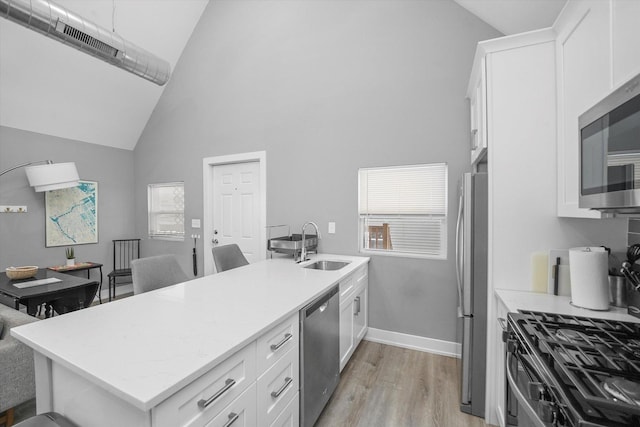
x=332, y=227
x=13, y=209
x=195, y=223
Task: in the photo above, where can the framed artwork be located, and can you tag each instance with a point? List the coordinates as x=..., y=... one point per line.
x=71, y=215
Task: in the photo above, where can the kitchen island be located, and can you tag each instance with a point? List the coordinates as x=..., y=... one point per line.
x=159, y=358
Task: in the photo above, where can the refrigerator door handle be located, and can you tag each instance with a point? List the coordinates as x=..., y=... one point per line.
x=459, y=249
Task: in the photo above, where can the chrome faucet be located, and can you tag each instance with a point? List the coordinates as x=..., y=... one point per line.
x=303, y=251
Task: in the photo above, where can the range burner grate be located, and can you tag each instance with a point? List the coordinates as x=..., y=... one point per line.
x=597, y=361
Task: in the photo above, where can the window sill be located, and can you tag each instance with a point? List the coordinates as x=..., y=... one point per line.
x=168, y=238
x=370, y=252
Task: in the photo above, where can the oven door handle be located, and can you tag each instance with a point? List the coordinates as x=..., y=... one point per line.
x=536, y=421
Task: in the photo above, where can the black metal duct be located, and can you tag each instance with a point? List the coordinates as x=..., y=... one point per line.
x=60, y=24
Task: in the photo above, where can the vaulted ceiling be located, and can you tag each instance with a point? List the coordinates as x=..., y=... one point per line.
x=47, y=87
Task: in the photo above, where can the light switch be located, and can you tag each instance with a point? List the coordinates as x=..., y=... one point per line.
x=332, y=227
x=195, y=223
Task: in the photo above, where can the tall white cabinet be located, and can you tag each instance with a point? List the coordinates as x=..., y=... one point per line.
x=519, y=121
x=597, y=47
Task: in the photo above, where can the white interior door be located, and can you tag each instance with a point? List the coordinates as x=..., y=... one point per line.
x=236, y=207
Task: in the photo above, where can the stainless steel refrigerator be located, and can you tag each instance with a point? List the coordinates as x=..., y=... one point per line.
x=471, y=269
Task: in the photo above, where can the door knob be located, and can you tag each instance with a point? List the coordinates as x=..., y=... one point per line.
x=214, y=241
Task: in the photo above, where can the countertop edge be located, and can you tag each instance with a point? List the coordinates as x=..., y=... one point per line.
x=515, y=300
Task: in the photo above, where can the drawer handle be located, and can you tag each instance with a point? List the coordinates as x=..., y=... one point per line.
x=277, y=393
x=275, y=347
x=233, y=417
x=227, y=385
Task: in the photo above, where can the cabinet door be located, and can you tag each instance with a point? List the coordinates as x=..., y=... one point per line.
x=360, y=315
x=584, y=77
x=346, y=332
x=626, y=40
x=478, y=118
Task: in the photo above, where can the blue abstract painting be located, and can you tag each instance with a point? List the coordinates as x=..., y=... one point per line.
x=72, y=215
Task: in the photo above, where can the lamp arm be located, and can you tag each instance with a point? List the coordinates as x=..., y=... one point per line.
x=25, y=164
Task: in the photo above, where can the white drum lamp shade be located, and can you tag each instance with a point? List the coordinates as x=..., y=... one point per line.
x=52, y=176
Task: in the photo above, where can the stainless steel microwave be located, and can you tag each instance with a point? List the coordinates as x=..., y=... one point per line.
x=610, y=152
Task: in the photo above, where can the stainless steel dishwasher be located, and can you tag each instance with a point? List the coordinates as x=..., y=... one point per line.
x=320, y=355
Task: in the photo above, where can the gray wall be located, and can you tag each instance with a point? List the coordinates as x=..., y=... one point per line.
x=325, y=88
x=22, y=236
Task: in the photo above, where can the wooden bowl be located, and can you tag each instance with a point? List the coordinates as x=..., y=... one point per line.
x=16, y=273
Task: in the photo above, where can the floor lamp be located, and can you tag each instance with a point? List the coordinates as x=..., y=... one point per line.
x=49, y=176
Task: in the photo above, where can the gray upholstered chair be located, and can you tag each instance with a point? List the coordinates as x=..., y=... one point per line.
x=227, y=257
x=17, y=383
x=156, y=272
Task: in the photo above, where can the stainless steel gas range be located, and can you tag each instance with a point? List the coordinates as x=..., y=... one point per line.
x=572, y=371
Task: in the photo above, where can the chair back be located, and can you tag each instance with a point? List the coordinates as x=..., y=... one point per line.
x=124, y=251
x=227, y=257
x=156, y=272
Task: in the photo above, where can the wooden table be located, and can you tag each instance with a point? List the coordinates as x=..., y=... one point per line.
x=68, y=294
x=81, y=266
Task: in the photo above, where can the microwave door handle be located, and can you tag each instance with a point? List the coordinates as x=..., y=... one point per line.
x=459, y=249
x=524, y=403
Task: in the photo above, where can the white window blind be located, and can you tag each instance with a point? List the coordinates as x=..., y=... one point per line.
x=403, y=210
x=166, y=210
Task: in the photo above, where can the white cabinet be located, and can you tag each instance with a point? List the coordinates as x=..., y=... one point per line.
x=477, y=93
x=625, y=40
x=360, y=314
x=521, y=132
x=202, y=400
x=354, y=313
x=597, y=49
x=255, y=383
x=583, y=58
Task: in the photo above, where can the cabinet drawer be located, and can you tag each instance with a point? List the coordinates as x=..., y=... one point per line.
x=275, y=343
x=347, y=286
x=362, y=276
x=200, y=401
x=290, y=416
x=277, y=386
x=240, y=413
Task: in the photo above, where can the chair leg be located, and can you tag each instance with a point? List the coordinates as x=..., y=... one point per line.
x=6, y=419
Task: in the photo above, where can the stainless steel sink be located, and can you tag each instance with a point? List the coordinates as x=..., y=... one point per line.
x=327, y=265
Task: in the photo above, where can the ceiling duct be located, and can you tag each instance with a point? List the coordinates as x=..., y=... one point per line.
x=60, y=24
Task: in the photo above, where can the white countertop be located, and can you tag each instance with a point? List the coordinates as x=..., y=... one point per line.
x=534, y=301
x=146, y=347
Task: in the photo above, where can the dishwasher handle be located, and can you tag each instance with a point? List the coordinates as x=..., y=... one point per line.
x=320, y=304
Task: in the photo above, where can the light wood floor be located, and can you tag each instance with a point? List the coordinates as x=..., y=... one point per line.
x=389, y=386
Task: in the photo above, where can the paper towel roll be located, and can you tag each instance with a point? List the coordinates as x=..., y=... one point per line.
x=589, y=268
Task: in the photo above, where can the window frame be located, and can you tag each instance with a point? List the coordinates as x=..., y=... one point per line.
x=405, y=254
x=151, y=213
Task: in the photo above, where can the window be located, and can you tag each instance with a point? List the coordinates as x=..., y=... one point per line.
x=403, y=210
x=166, y=210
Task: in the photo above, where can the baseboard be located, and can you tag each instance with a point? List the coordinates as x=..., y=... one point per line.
x=414, y=342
